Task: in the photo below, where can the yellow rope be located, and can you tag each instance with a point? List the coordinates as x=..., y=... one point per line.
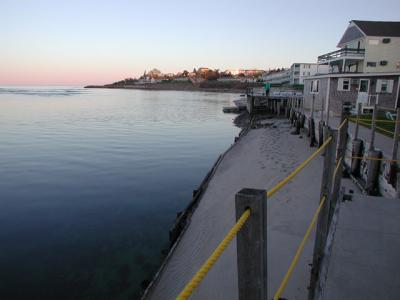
x=364, y=123
x=385, y=130
x=374, y=158
x=298, y=252
x=378, y=121
x=341, y=125
x=377, y=127
x=298, y=169
x=198, y=277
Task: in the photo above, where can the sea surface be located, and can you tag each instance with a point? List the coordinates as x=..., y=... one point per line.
x=91, y=181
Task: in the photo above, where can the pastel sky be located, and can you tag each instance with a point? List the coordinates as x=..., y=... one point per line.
x=81, y=42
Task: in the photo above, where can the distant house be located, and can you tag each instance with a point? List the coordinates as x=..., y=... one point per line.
x=251, y=72
x=366, y=70
x=366, y=47
x=154, y=73
x=203, y=71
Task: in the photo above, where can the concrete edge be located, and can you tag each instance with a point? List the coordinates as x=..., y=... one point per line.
x=323, y=272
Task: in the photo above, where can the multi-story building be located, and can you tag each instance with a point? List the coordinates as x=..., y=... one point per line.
x=277, y=77
x=295, y=74
x=365, y=70
x=366, y=47
x=299, y=71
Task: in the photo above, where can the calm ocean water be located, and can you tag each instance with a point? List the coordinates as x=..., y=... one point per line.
x=91, y=181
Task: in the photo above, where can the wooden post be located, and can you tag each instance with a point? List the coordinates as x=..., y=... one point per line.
x=328, y=105
x=357, y=151
x=342, y=145
x=337, y=179
x=252, y=245
x=323, y=218
x=320, y=133
x=373, y=165
x=373, y=127
x=393, y=164
x=357, y=124
x=312, y=106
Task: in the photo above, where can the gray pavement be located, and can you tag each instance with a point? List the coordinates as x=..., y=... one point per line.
x=365, y=260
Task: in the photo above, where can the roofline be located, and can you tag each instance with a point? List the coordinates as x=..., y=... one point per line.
x=354, y=22
x=304, y=63
x=351, y=22
x=333, y=75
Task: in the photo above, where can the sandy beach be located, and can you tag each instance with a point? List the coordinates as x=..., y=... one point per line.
x=260, y=159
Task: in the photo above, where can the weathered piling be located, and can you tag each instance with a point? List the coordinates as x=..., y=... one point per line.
x=373, y=127
x=373, y=159
x=311, y=130
x=320, y=133
x=252, y=245
x=356, y=152
x=374, y=165
x=302, y=120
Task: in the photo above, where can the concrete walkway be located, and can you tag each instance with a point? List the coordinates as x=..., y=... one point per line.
x=259, y=160
x=365, y=260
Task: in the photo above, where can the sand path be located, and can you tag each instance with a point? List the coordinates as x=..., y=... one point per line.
x=259, y=160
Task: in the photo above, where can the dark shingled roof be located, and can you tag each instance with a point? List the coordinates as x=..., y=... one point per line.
x=379, y=28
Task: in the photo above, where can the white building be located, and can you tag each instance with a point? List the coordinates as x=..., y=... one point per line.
x=295, y=74
x=300, y=71
x=366, y=47
x=280, y=77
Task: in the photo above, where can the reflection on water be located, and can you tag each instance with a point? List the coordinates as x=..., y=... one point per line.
x=91, y=180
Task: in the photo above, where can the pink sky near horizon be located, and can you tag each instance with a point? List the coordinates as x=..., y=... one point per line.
x=98, y=42
x=48, y=76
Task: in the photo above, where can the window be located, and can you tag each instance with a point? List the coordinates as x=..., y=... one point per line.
x=304, y=73
x=386, y=41
x=344, y=84
x=371, y=64
x=384, y=86
x=363, y=85
x=315, y=86
x=296, y=72
x=383, y=62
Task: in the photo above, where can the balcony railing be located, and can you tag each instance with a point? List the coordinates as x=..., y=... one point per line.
x=341, y=53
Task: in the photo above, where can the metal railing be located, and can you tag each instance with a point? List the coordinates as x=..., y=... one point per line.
x=345, y=52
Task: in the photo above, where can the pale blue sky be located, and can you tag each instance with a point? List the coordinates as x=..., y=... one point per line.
x=80, y=42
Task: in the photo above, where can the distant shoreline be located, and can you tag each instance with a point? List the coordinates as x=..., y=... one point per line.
x=214, y=87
